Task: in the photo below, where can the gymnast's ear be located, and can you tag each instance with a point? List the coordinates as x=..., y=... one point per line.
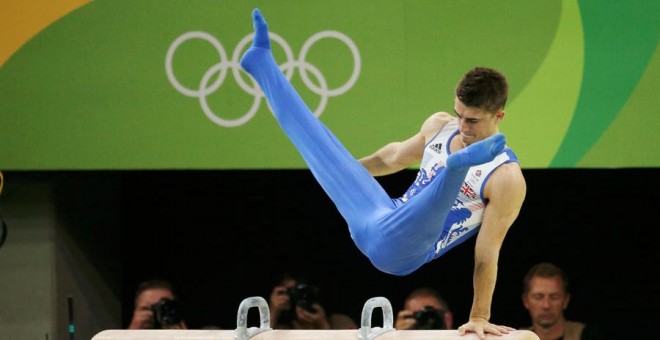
x=499, y=115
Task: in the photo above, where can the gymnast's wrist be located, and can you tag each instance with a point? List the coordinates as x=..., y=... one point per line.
x=478, y=318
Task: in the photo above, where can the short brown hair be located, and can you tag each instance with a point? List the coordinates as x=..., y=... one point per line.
x=154, y=284
x=427, y=291
x=484, y=88
x=546, y=270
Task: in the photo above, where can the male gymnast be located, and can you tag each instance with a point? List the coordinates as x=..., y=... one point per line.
x=469, y=182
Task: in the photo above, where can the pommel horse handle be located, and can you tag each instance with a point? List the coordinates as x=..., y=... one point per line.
x=242, y=332
x=366, y=332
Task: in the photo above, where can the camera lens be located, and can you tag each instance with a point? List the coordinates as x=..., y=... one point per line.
x=304, y=295
x=430, y=318
x=166, y=312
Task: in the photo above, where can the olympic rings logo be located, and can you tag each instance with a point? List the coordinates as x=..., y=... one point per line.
x=224, y=65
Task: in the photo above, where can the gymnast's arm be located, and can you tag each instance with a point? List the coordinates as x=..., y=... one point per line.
x=505, y=191
x=397, y=156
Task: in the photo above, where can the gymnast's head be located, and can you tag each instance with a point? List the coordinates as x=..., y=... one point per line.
x=483, y=88
x=479, y=104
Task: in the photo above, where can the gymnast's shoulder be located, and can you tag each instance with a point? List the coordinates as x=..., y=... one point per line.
x=436, y=121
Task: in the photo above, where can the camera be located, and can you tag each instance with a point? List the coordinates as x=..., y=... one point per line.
x=429, y=318
x=166, y=312
x=303, y=295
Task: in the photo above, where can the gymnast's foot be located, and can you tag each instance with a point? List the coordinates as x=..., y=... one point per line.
x=260, y=45
x=478, y=153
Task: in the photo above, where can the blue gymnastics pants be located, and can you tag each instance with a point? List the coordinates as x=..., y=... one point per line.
x=397, y=238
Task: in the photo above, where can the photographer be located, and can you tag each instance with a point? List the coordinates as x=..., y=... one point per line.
x=156, y=307
x=294, y=304
x=424, y=308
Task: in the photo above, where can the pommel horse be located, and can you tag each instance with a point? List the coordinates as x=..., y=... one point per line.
x=264, y=332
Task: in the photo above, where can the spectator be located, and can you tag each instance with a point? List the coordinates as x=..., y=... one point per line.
x=156, y=307
x=424, y=308
x=295, y=304
x=546, y=296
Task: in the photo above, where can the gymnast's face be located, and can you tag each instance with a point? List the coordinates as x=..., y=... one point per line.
x=546, y=301
x=474, y=123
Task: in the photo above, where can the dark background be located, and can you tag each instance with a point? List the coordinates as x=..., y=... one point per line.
x=223, y=236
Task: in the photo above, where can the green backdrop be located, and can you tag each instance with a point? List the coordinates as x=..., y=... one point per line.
x=92, y=91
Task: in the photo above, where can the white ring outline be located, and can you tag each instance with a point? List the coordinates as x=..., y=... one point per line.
x=356, y=61
x=287, y=68
x=170, y=55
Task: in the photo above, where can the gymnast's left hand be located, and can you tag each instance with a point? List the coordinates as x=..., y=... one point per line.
x=483, y=327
